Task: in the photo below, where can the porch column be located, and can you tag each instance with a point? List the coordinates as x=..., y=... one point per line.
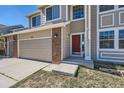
x=87, y=32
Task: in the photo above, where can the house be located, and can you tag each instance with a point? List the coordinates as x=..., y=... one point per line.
x=7, y=29
x=63, y=33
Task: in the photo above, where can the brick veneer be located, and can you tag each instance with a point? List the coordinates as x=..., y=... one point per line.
x=56, y=45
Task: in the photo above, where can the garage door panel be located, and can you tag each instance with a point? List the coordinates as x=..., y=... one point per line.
x=34, y=43
x=40, y=49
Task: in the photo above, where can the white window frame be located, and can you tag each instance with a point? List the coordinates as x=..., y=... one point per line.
x=101, y=25
x=32, y=21
x=120, y=17
x=60, y=16
x=116, y=38
x=72, y=14
x=113, y=39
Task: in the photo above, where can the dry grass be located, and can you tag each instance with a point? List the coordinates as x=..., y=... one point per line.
x=86, y=78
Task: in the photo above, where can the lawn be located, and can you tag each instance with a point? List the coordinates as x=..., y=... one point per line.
x=86, y=78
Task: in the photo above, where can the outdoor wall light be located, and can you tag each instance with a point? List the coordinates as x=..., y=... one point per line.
x=55, y=35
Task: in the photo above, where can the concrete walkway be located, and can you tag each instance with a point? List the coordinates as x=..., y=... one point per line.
x=13, y=70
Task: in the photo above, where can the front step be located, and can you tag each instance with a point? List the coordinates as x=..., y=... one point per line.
x=66, y=69
x=63, y=68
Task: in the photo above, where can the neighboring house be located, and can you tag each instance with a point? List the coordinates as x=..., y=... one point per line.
x=60, y=33
x=9, y=29
x=5, y=30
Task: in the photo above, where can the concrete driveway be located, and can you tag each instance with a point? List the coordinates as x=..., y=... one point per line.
x=12, y=70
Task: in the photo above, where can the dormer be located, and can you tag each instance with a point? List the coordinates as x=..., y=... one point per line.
x=34, y=19
x=53, y=13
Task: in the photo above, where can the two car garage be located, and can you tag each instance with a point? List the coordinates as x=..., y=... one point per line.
x=44, y=45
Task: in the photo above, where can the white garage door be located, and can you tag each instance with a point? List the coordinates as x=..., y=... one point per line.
x=39, y=49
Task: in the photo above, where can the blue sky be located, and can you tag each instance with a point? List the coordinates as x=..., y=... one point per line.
x=15, y=14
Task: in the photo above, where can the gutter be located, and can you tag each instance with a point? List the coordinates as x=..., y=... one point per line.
x=63, y=24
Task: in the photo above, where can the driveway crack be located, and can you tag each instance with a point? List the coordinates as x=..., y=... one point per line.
x=8, y=76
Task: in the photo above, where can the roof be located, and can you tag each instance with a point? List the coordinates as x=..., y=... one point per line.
x=40, y=6
x=31, y=14
x=2, y=26
x=7, y=29
x=48, y=26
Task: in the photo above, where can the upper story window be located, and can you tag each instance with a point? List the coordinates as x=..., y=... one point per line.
x=103, y=8
x=78, y=11
x=36, y=21
x=120, y=6
x=52, y=12
x=106, y=39
x=121, y=39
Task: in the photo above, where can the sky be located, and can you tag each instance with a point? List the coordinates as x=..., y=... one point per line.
x=15, y=14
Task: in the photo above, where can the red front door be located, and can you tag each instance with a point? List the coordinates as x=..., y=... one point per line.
x=75, y=44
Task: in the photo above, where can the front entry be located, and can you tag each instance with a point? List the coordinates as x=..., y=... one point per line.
x=77, y=41
x=75, y=44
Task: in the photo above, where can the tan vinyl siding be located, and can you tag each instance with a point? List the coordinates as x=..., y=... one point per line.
x=77, y=26
x=38, y=34
x=63, y=12
x=66, y=42
x=36, y=49
x=93, y=32
x=106, y=20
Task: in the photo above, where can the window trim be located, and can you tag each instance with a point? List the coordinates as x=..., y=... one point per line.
x=104, y=29
x=60, y=16
x=120, y=17
x=116, y=39
x=112, y=39
x=32, y=20
x=101, y=25
x=72, y=14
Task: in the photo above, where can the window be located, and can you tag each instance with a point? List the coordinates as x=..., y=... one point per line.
x=36, y=21
x=78, y=11
x=52, y=12
x=121, y=38
x=106, y=39
x=121, y=6
x=105, y=7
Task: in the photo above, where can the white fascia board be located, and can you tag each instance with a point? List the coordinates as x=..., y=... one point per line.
x=38, y=28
